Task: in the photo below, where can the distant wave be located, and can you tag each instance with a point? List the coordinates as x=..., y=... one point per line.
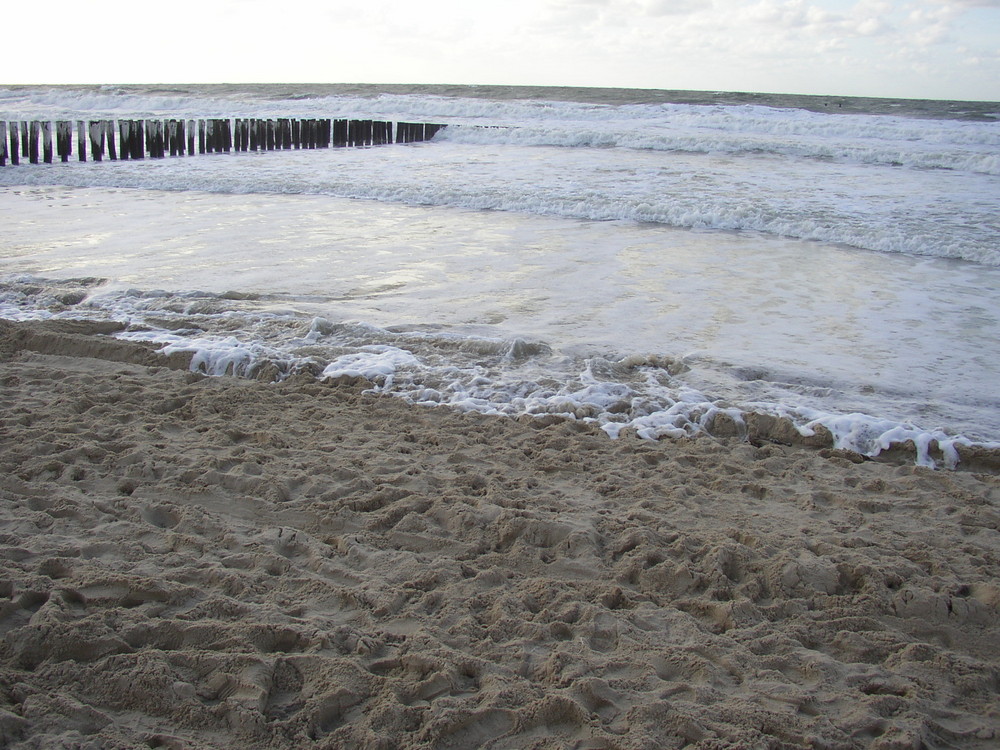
x=662, y=139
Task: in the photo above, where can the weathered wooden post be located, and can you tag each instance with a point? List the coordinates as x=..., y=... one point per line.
x=25, y=125
x=15, y=146
x=109, y=128
x=201, y=136
x=63, y=139
x=33, y=142
x=46, y=127
x=125, y=139
x=190, y=137
x=97, y=139
x=156, y=139
x=3, y=143
x=81, y=140
x=138, y=139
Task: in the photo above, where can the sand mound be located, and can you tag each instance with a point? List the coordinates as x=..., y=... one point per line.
x=199, y=562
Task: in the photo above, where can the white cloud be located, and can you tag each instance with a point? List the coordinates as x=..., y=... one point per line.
x=867, y=47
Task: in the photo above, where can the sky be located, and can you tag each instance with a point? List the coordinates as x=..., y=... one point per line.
x=934, y=49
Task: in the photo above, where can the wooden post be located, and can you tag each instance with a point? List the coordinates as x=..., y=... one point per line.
x=46, y=127
x=269, y=127
x=33, y=142
x=139, y=134
x=109, y=128
x=97, y=139
x=3, y=143
x=125, y=139
x=81, y=140
x=157, y=139
x=15, y=146
x=25, y=125
x=63, y=139
x=201, y=136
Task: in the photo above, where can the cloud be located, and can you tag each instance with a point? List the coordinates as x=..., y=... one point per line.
x=971, y=3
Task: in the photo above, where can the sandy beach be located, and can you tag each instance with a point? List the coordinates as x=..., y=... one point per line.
x=194, y=562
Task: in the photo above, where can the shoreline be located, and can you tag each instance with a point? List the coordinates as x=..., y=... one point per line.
x=91, y=339
x=217, y=562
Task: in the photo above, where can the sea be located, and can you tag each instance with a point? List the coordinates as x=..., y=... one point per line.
x=642, y=260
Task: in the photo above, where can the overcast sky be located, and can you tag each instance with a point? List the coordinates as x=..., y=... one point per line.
x=946, y=49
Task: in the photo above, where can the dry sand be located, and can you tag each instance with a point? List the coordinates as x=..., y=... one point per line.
x=195, y=562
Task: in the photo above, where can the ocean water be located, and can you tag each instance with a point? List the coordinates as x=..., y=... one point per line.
x=639, y=259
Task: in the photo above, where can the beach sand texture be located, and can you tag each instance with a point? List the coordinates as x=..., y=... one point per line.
x=194, y=562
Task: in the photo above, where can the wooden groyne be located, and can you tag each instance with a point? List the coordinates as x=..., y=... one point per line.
x=120, y=140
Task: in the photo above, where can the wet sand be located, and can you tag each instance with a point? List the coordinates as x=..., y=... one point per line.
x=194, y=562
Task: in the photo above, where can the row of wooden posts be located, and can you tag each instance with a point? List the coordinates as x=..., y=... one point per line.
x=156, y=138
